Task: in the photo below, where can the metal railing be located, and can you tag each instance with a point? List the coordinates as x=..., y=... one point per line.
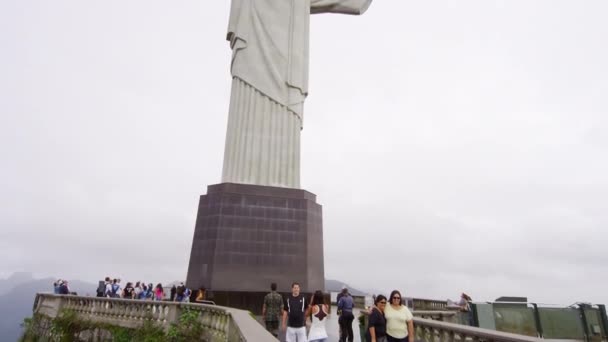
x=432, y=331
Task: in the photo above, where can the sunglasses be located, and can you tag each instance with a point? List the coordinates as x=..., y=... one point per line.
x=396, y=297
x=383, y=302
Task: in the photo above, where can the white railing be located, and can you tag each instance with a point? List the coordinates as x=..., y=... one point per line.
x=428, y=304
x=219, y=323
x=444, y=316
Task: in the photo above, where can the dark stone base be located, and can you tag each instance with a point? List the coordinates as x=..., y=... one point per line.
x=248, y=236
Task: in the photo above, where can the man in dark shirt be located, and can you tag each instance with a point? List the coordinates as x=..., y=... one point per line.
x=272, y=309
x=294, y=320
x=340, y=295
x=346, y=304
x=63, y=288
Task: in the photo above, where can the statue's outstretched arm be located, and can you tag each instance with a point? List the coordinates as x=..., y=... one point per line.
x=339, y=6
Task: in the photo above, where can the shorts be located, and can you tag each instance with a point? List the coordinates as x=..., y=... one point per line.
x=272, y=326
x=296, y=334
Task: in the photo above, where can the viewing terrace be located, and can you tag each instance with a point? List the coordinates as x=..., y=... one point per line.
x=432, y=321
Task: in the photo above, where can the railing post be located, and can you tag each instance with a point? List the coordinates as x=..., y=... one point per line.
x=604, y=317
x=581, y=309
x=475, y=314
x=539, y=327
x=173, y=314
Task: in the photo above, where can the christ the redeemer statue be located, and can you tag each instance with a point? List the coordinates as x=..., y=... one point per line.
x=269, y=40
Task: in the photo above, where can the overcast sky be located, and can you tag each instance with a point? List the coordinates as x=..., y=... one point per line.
x=454, y=145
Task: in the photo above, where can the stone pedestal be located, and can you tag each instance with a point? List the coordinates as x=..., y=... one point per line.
x=248, y=236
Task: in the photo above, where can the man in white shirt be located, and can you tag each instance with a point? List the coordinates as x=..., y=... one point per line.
x=108, y=291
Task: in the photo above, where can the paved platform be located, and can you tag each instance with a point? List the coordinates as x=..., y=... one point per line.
x=332, y=327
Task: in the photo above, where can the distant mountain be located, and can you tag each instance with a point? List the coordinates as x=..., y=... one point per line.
x=336, y=286
x=15, y=279
x=17, y=299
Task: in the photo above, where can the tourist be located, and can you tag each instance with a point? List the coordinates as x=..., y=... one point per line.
x=318, y=312
x=116, y=291
x=294, y=319
x=187, y=294
x=272, y=309
x=159, y=292
x=56, y=286
x=142, y=290
x=180, y=293
x=63, y=287
x=464, y=302
x=465, y=306
x=346, y=304
x=119, y=289
x=376, y=327
x=145, y=291
x=399, y=320
x=173, y=293
x=138, y=290
x=151, y=290
x=108, y=289
x=200, y=296
x=340, y=294
x=101, y=288
x=129, y=291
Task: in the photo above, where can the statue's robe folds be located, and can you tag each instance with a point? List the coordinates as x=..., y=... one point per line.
x=269, y=40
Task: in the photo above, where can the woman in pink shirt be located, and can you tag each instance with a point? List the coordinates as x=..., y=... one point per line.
x=159, y=293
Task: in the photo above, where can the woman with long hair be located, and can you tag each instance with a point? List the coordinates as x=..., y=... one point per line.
x=399, y=320
x=317, y=311
x=137, y=290
x=129, y=291
x=159, y=292
x=376, y=327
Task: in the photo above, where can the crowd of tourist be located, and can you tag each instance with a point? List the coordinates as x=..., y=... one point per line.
x=61, y=287
x=389, y=319
x=112, y=288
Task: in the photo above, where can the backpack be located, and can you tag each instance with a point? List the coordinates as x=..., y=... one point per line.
x=101, y=288
x=115, y=288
